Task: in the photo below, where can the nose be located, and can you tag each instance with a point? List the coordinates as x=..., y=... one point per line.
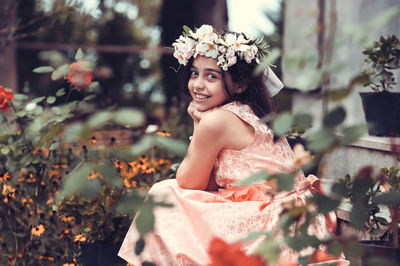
x=198, y=83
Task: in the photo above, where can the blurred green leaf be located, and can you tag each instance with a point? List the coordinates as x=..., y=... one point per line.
x=253, y=178
x=270, y=59
x=352, y=249
x=76, y=180
x=129, y=203
x=391, y=198
x=358, y=215
x=90, y=97
x=384, y=17
x=309, y=79
x=302, y=241
x=270, y=250
x=282, y=124
x=60, y=72
x=79, y=55
x=360, y=188
x=325, y=204
x=339, y=188
x=145, y=219
x=129, y=117
x=303, y=121
x=177, y=147
x=335, y=248
x=37, y=99
x=336, y=95
x=145, y=144
x=139, y=246
x=5, y=150
x=60, y=92
x=353, y=133
x=99, y=119
x=285, y=181
x=53, y=146
x=110, y=174
x=93, y=85
x=334, y=117
x=20, y=97
x=320, y=140
x=51, y=99
x=43, y=69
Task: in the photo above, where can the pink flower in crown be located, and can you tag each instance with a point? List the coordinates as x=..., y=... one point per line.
x=250, y=53
x=184, y=49
x=232, y=61
x=205, y=34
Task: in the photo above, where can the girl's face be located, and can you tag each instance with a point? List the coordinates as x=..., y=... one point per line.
x=206, y=85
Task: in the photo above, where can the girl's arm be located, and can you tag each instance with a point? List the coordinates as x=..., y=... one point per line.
x=209, y=138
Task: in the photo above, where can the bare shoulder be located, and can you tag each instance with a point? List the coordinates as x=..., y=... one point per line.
x=225, y=128
x=220, y=120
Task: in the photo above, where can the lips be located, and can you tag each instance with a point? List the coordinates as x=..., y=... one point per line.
x=200, y=96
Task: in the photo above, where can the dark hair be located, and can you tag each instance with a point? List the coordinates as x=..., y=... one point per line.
x=256, y=95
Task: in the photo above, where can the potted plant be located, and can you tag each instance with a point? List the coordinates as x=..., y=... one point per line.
x=382, y=107
x=369, y=196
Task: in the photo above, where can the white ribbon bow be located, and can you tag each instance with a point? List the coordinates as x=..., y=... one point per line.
x=273, y=83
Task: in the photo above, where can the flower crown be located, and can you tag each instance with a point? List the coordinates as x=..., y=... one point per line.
x=226, y=49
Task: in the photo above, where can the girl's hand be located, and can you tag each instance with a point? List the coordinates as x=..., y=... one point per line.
x=194, y=113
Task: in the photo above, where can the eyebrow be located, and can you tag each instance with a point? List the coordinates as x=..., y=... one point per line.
x=209, y=70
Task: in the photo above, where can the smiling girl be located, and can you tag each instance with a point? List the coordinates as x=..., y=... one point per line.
x=230, y=142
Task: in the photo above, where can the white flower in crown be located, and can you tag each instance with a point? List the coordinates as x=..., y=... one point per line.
x=206, y=49
x=205, y=34
x=225, y=49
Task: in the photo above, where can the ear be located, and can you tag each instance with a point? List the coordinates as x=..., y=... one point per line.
x=240, y=88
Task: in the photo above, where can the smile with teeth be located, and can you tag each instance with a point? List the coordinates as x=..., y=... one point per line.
x=200, y=96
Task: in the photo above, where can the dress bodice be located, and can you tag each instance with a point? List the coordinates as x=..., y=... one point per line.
x=262, y=153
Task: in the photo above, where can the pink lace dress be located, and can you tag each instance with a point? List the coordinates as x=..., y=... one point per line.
x=182, y=234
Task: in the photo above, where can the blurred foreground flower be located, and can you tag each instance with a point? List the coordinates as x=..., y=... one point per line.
x=5, y=96
x=80, y=74
x=301, y=157
x=222, y=253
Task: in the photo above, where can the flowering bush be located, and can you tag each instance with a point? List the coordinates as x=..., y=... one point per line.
x=58, y=186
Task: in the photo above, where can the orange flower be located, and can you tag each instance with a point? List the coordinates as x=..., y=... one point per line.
x=46, y=258
x=59, y=166
x=130, y=183
x=5, y=177
x=94, y=175
x=93, y=140
x=5, y=96
x=80, y=238
x=67, y=218
x=222, y=253
x=80, y=75
x=38, y=230
x=163, y=133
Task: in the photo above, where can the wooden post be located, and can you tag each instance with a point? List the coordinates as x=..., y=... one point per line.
x=8, y=69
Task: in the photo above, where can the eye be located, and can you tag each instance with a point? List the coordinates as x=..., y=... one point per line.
x=193, y=73
x=211, y=76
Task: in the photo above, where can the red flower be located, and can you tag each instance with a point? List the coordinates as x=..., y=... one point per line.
x=5, y=97
x=80, y=75
x=221, y=254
